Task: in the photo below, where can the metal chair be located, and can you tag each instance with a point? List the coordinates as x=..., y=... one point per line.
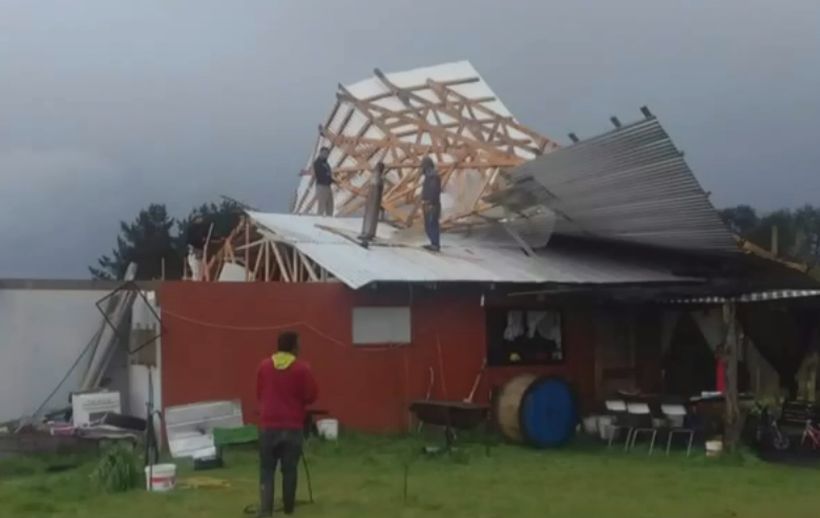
x=676, y=417
x=640, y=417
x=617, y=411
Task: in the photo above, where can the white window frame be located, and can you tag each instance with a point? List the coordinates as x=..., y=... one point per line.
x=381, y=325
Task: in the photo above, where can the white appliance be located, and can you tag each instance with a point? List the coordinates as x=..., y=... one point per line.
x=189, y=428
x=84, y=404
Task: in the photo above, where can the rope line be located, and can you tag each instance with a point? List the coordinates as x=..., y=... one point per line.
x=291, y=325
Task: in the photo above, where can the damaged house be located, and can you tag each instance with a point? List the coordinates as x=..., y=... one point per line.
x=602, y=262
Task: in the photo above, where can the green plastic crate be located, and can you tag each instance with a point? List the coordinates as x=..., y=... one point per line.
x=242, y=435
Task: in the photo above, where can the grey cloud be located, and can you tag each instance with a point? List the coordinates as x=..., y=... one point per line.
x=108, y=106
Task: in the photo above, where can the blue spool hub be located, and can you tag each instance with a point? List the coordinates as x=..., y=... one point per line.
x=548, y=413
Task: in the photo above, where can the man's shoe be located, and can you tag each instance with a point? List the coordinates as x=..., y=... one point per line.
x=265, y=501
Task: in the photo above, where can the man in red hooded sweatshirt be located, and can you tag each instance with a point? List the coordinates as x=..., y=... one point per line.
x=285, y=386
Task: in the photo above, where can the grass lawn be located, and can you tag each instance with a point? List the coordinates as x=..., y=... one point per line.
x=362, y=476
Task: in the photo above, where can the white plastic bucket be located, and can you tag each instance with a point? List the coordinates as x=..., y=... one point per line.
x=714, y=448
x=328, y=429
x=160, y=477
x=604, y=422
x=591, y=425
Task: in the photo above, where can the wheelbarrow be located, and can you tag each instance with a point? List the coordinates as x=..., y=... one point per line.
x=450, y=415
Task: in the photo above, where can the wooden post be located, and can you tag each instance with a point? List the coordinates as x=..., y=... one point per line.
x=205, y=273
x=732, y=419
x=247, y=225
x=267, y=246
x=775, y=241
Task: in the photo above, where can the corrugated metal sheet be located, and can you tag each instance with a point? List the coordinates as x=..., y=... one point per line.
x=483, y=255
x=630, y=184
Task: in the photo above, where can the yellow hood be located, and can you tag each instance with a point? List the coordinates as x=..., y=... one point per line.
x=282, y=360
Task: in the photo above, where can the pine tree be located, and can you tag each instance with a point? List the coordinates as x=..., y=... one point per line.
x=147, y=241
x=224, y=216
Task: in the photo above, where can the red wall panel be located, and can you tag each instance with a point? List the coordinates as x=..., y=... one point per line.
x=217, y=333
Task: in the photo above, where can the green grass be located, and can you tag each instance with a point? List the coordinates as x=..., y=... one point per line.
x=364, y=477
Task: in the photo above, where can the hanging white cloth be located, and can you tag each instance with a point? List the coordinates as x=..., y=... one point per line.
x=533, y=319
x=515, y=325
x=669, y=322
x=710, y=323
x=550, y=327
x=713, y=328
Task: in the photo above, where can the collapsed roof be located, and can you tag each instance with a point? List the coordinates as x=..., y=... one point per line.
x=508, y=192
x=446, y=111
x=486, y=255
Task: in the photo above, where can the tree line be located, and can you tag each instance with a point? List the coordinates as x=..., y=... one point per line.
x=156, y=242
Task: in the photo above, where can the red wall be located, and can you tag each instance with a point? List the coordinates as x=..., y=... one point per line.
x=215, y=335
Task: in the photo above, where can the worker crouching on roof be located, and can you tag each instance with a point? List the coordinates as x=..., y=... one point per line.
x=285, y=386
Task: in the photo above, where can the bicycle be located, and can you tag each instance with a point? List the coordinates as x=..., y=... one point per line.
x=811, y=433
x=768, y=432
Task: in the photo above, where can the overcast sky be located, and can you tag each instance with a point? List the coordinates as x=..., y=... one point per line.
x=106, y=106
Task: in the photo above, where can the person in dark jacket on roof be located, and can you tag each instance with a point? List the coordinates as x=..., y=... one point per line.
x=431, y=203
x=285, y=386
x=323, y=177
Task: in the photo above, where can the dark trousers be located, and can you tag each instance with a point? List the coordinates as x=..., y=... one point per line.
x=432, y=213
x=279, y=447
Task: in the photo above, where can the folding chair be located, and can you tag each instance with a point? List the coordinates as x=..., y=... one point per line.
x=676, y=417
x=640, y=417
x=616, y=409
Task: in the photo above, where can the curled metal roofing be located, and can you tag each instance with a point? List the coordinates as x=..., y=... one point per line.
x=630, y=184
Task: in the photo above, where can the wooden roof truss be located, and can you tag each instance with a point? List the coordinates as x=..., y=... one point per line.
x=468, y=140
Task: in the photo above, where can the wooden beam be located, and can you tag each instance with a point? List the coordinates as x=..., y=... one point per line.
x=267, y=261
x=733, y=424
x=308, y=267
x=247, y=226
x=259, y=254
x=282, y=269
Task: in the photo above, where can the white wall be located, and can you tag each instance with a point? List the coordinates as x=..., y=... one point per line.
x=42, y=332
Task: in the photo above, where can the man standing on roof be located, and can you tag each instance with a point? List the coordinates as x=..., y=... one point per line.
x=196, y=238
x=285, y=386
x=324, y=179
x=431, y=203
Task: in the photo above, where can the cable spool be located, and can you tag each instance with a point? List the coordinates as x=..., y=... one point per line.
x=537, y=411
x=507, y=408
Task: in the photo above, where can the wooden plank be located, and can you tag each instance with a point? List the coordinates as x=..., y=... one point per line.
x=247, y=226
x=283, y=271
x=454, y=82
x=267, y=261
x=259, y=255
x=308, y=267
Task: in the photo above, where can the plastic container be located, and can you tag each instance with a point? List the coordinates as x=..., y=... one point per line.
x=548, y=413
x=604, y=422
x=328, y=429
x=591, y=425
x=160, y=477
x=714, y=448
